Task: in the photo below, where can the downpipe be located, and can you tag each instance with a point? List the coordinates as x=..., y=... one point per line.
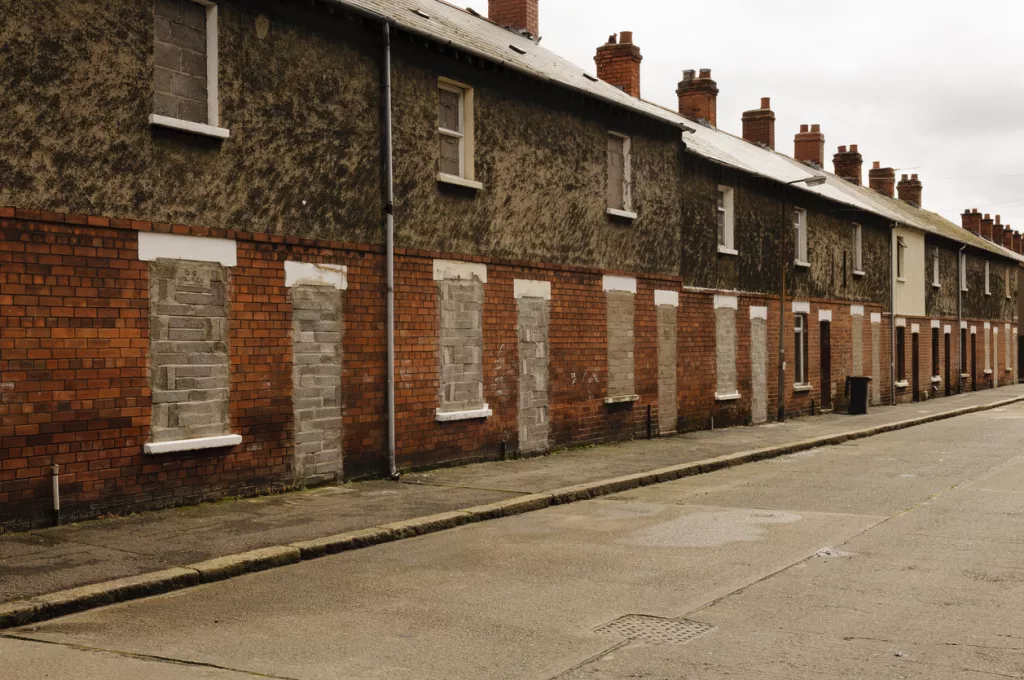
x=389, y=228
x=960, y=319
x=56, y=494
x=892, y=315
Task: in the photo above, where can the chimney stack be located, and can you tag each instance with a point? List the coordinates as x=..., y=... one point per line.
x=1016, y=242
x=698, y=97
x=972, y=221
x=882, y=180
x=910, y=190
x=618, y=63
x=1008, y=238
x=809, y=146
x=522, y=16
x=997, y=230
x=759, y=124
x=848, y=164
x=986, y=227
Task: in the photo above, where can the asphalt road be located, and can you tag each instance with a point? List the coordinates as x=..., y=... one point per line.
x=899, y=556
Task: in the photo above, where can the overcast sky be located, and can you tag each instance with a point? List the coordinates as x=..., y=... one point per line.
x=934, y=87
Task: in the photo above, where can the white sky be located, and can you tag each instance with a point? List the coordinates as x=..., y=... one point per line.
x=934, y=87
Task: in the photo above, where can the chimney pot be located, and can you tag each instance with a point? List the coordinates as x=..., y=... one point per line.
x=876, y=165
x=759, y=125
x=698, y=97
x=519, y=15
x=849, y=164
x=618, y=63
x=809, y=147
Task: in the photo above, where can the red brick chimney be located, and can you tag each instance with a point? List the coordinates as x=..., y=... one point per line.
x=1016, y=242
x=997, y=230
x=1008, y=238
x=519, y=15
x=698, y=97
x=972, y=221
x=910, y=190
x=809, y=146
x=848, y=164
x=759, y=124
x=882, y=180
x=986, y=227
x=618, y=63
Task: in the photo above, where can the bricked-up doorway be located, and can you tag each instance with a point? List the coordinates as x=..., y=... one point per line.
x=949, y=385
x=915, y=365
x=1020, y=358
x=974, y=362
x=826, y=365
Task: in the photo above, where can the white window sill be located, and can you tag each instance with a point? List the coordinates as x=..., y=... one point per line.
x=452, y=416
x=802, y=263
x=902, y=383
x=722, y=250
x=188, y=126
x=624, y=399
x=455, y=180
x=179, y=445
x=988, y=294
x=963, y=290
x=803, y=387
x=936, y=379
x=965, y=375
x=857, y=272
x=937, y=286
x=622, y=214
x=988, y=371
x=1009, y=370
x=727, y=397
x=900, y=280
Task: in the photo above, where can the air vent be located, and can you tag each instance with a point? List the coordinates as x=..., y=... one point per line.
x=590, y=77
x=519, y=50
x=421, y=13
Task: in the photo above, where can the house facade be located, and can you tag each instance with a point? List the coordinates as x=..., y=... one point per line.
x=194, y=290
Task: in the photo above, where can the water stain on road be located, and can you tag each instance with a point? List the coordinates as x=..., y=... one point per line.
x=710, y=529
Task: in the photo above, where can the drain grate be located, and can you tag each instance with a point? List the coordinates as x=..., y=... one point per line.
x=653, y=630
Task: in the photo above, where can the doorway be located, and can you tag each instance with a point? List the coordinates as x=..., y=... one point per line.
x=915, y=360
x=949, y=387
x=826, y=365
x=974, y=362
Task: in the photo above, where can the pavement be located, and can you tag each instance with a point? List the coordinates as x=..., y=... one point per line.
x=894, y=556
x=144, y=554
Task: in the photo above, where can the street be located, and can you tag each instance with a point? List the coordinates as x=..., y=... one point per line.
x=896, y=556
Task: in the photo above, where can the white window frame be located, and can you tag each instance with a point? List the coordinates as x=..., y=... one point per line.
x=963, y=272
x=800, y=227
x=467, y=146
x=725, y=210
x=800, y=331
x=626, y=211
x=901, y=259
x=988, y=278
x=1006, y=279
x=858, y=250
x=935, y=268
x=212, y=126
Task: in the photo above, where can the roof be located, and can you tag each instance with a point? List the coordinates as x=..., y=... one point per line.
x=469, y=32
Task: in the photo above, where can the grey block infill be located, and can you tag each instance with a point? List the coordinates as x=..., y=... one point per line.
x=876, y=363
x=667, y=361
x=534, y=423
x=759, y=370
x=189, y=360
x=725, y=350
x=180, y=80
x=857, y=343
x=462, y=345
x=317, y=330
x=621, y=358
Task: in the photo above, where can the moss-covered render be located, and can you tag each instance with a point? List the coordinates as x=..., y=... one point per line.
x=941, y=302
x=301, y=105
x=758, y=238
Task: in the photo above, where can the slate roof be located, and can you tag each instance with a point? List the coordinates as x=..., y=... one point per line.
x=474, y=34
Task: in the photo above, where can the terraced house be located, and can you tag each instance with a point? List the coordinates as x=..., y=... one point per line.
x=267, y=244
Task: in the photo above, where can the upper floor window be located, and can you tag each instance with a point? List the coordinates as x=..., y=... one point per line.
x=185, y=57
x=800, y=235
x=726, y=221
x=963, y=272
x=858, y=250
x=801, y=346
x=1006, y=281
x=620, y=200
x=988, y=279
x=935, y=268
x=901, y=258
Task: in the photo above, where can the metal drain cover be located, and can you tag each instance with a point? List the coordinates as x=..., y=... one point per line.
x=653, y=630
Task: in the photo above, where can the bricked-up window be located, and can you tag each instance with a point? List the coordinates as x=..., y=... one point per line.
x=901, y=355
x=188, y=349
x=935, y=268
x=935, y=352
x=963, y=350
x=451, y=129
x=988, y=279
x=1006, y=282
x=963, y=272
x=901, y=258
x=726, y=221
x=461, y=303
x=858, y=250
x=185, y=57
x=726, y=386
x=619, y=173
x=801, y=348
x=800, y=235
